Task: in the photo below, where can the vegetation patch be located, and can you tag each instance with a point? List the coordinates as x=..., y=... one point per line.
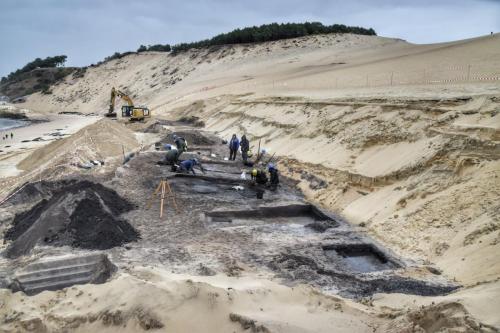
x=272, y=32
x=36, y=76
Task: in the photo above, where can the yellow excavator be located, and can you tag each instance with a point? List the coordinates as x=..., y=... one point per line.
x=134, y=113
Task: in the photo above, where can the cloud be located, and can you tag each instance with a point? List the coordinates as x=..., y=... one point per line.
x=89, y=30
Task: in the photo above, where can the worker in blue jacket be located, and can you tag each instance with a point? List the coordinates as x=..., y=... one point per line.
x=274, y=179
x=234, y=144
x=187, y=166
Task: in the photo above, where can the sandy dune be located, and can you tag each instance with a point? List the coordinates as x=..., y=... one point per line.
x=192, y=304
x=404, y=138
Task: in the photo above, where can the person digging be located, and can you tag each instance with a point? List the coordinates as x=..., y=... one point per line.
x=171, y=157
x=259, y=180
x=188, y=166
x=180, y=143
x=274, y=179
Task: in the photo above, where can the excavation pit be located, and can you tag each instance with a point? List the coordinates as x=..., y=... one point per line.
x=299, y=214
x=210, y=179
x=201, y=148
x=216, y=187
x=360, y=258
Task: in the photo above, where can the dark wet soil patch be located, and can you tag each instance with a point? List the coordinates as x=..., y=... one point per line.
x=370, y=272
x=319, y=226
x=81, y=214
x=361, y=258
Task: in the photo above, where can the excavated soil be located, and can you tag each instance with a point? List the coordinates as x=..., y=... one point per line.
x=192, y=137
x=80, y=214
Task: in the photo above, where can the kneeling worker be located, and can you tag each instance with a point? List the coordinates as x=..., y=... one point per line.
x=172, y=156
x=259, y=176
x=188, y=166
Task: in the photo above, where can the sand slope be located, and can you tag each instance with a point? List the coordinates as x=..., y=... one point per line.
x=157, y=300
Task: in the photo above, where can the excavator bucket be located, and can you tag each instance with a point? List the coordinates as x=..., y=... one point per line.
x=111, y=112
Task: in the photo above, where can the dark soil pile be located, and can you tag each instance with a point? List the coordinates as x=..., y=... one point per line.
x=80, y=214
x=192, y=120
x=34, y=192
x=157, y=126
x=193, y=138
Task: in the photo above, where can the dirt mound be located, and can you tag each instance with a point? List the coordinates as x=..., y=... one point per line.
x=36, y=191
x=193, y=138
x=80, y=214
x=103, y=140
x=192, y=120
x=444, y=317
x=157, y=126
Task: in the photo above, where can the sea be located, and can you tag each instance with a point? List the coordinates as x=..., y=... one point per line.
x=7, y=123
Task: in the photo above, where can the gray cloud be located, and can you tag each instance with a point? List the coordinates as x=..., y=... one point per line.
x=89, y=30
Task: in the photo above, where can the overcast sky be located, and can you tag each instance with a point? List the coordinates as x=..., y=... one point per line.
x=89, y=30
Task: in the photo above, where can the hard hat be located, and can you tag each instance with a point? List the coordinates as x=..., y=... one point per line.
x=196, y=161
x=270, y=166
x=254, y=172
x=175, y=136
x=167, y=146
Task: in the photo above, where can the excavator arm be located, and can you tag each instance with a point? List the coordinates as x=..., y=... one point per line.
x=117, y=93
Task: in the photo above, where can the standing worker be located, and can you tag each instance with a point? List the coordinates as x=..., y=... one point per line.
x=274, y=179
x=11, y=135
x=245, y=147
x=234, y=144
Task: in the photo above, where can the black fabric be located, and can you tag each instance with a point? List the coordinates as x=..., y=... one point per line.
x=232, y=154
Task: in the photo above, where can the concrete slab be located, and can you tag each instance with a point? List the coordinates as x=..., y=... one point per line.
x=61, y=272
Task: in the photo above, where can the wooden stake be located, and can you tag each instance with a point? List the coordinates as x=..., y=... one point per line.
x=258, y=153
x=171, y=193
x=153, y=195
x=162, y=197
x=166, y=192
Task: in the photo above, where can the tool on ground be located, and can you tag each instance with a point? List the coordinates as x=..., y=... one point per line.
x=270, y=159
x=224, y=172
x=134, y=113
x=258, y=153
x=166, y=192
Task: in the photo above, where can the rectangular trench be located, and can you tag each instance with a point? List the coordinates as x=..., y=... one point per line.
x=359, y=257
x=305, y=214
